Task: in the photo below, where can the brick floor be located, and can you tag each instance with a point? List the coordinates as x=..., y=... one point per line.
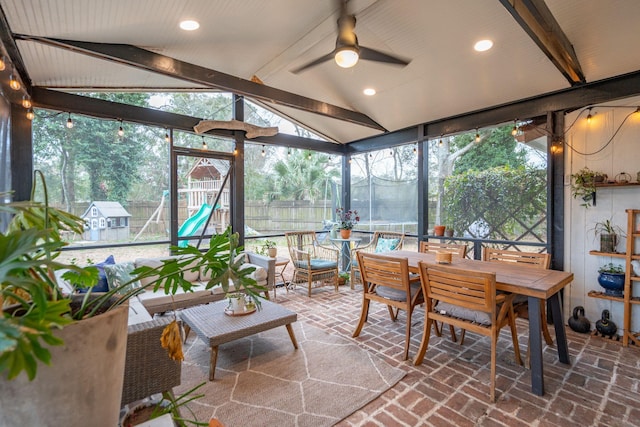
x=601, y=387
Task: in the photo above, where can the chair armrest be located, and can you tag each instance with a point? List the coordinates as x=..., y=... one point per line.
x=268, y=263
x=325, y=252
x=148, y=368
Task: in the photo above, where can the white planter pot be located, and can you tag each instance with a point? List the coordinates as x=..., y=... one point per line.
x=83, y=384
x=236, y=304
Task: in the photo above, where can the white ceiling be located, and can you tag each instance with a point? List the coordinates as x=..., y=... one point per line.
x=244, y=38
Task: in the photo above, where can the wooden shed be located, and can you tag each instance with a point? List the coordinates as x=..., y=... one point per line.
x=106, y=221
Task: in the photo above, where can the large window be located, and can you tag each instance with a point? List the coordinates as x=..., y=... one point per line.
x=491, y=184
x=384, y=188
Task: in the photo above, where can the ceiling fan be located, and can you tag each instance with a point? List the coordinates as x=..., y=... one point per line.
x=348, y=51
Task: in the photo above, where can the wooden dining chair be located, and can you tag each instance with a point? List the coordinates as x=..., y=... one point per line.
x=382, y=241
x=386, y=280
x=466, y=299
x=459, y=250
x=311, y=261
x=520, y=303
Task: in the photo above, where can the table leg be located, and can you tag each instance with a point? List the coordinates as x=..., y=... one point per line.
x=535, y=345
x=292, y=336
x=187, y=329
x=558, y=323
x=212, y=362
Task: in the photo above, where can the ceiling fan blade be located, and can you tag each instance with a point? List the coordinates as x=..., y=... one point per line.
x=313, y=63
x=375, y=55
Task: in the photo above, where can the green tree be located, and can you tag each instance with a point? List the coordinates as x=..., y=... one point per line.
x=497, y=147
x=303, y=175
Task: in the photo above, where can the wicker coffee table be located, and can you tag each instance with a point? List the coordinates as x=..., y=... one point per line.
x=214, y=327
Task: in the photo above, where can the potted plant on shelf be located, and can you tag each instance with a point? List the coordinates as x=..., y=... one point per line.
x=346, y=221
x=81, y=337
x=611, y=278
x=583, y=185
x=609, y=234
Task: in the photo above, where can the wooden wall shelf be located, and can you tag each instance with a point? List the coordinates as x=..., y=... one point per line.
x=611, y=254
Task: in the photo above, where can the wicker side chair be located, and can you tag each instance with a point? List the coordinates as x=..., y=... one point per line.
x=311, y=260
x=380, y=242
x=148, y=368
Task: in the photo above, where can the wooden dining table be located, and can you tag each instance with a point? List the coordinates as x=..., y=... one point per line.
x=537, y=284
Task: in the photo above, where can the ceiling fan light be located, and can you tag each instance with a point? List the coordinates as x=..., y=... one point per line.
x=347, y=57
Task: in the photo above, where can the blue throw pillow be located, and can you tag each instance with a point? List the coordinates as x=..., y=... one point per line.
x=386, y=245
x=102, y=285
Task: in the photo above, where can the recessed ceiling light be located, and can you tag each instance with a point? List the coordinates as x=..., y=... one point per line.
x=483, y=45
x=369, y=91
x=189, y=25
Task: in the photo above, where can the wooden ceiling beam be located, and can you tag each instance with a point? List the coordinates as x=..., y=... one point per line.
x=539, y=23
x=156, y=63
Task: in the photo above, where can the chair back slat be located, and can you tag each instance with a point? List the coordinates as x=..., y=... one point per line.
x=459, y=250
x=528, y=259
x=385, y=271
x=472, y=290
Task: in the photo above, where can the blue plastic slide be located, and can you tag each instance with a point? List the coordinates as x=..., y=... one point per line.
x=193, y=224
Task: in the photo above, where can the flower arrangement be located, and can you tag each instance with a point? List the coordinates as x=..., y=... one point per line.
x=346, y=219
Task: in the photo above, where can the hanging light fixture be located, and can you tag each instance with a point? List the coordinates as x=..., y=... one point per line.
x=589, y=116
x=13, y=82
x=26, y=102
x=30, y=114
x=263, y=152
x=514, y=131
x=120, y=130
x=204, y=144
x=69, y=122
x=477, y=135
x=3, y=63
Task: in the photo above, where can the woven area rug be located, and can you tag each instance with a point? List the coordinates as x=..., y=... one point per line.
x=262, y=380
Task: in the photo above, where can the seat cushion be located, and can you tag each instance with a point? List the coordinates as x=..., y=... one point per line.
x=317, y=264
x=396, y=294
x=453, y=310
x=102, y=285
x=386, y=245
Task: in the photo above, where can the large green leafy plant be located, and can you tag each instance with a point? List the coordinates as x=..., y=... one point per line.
x=34, y=305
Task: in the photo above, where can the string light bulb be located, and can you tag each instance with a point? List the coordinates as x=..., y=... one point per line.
x=166, y=136
x=440, y=143
x=309, y=155
x=288, y=152
x=589, y=116
x=477, y=136
x=13, y=82
x=514, y=131
x=204, y=144
x=415, y=149
x=30, y=114
x=26, y=102
x=120, y=130
x=263, y=152
x=69, y=122
x=3, y=63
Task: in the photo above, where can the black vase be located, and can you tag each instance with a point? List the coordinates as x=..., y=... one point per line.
x=578, y=322
x=605, y=326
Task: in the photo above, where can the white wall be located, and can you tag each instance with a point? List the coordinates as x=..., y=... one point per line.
x=622, y=154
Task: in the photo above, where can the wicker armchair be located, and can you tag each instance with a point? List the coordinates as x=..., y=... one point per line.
x=311, y=261
x=395, y=240
x=148, y=368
